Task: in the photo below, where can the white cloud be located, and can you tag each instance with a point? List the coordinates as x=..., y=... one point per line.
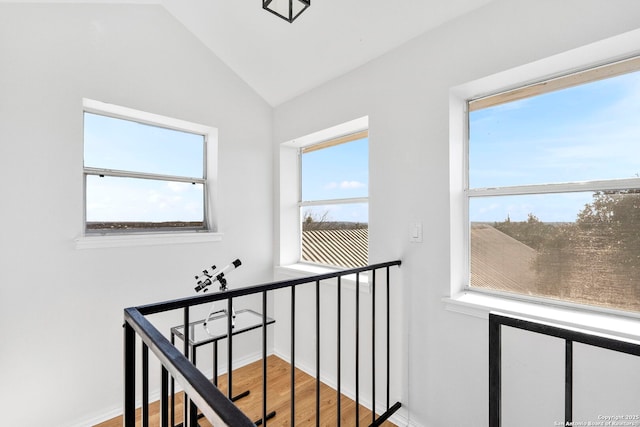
x=351, y=184
x=344, y=185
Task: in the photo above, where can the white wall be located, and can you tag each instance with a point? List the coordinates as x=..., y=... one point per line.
x=406, y=96
x=61, y=308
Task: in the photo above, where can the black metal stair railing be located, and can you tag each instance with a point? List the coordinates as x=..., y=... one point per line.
x=570, y=336
x=201, y=396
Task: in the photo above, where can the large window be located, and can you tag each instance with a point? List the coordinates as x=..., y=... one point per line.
x=143, y=172
x=334, y=201
x=554, y=189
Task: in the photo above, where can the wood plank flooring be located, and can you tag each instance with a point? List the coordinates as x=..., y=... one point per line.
x=278, y=399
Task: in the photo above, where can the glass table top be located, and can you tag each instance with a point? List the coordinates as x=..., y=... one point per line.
x=246, y=320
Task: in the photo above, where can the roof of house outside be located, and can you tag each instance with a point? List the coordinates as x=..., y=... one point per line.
x=338, y=247
x=499, y=261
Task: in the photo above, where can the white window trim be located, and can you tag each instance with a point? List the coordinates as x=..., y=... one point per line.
x=601, y=321
x=146, y=239
x=479, y=303
x=150, y=238
x=289, y=242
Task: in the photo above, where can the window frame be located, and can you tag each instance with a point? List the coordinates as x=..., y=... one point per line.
x=479, y=302
x=149, y=236
x=332, y=142
x=577, y=78
x=345, y=139
x=290, y=193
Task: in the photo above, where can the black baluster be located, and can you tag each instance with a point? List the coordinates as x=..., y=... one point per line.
x=293, y=355
x=388, y=339
x=145, y=385
x=317, y=353
x=129, y=376
x=495, y=374
x=173, y=390
x=164, y=398
x=229, y=348
x=185, y=351
x=568, y=383
x=373, y=346
x=357, y=343
x=338, y=398
x=264, y=358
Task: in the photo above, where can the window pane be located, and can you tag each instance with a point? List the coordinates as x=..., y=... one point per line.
x=581, y=247
x=120, y=203
x=587, y=132
x=111, y=143
x=337, y=172
x=336, y=234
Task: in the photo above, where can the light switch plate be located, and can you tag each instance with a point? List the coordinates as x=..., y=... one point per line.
x=415, y=232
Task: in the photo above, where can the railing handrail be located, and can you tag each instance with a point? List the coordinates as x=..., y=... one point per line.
x=214, y=405
x=254, y=289
x=199, y=389
x=568, y=334
x=621, y=345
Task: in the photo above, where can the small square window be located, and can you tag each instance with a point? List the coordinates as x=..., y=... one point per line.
x=143, y=172
x=334, y=207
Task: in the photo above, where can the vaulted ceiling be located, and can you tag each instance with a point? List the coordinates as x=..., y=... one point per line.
x=281, y=60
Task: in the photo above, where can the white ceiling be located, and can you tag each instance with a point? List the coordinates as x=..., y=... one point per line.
x=281, y=60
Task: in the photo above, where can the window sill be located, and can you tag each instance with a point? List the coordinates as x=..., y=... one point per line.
x=301, y=270
x=128, y=240
x=479, y=305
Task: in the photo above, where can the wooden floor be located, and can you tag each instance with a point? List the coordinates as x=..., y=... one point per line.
x=278, y=399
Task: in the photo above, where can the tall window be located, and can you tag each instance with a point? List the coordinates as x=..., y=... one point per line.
x=554, y=189
x=334, y=201
x=143, y=172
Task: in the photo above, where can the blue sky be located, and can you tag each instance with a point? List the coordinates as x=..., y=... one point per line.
x=337, y=172
x=588, y=132
x=124, y=145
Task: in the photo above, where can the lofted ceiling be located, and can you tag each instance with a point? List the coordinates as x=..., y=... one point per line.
x=281, y=60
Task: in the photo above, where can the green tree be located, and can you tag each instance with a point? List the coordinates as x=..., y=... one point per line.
x=313, y=221
x=552, y=242
x=595, y=260
x=532, y=232
x=610, y=224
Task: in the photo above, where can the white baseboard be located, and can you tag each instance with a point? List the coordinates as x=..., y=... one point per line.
x=99, y=418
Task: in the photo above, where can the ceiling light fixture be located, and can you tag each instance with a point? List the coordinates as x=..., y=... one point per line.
x=288, y=10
